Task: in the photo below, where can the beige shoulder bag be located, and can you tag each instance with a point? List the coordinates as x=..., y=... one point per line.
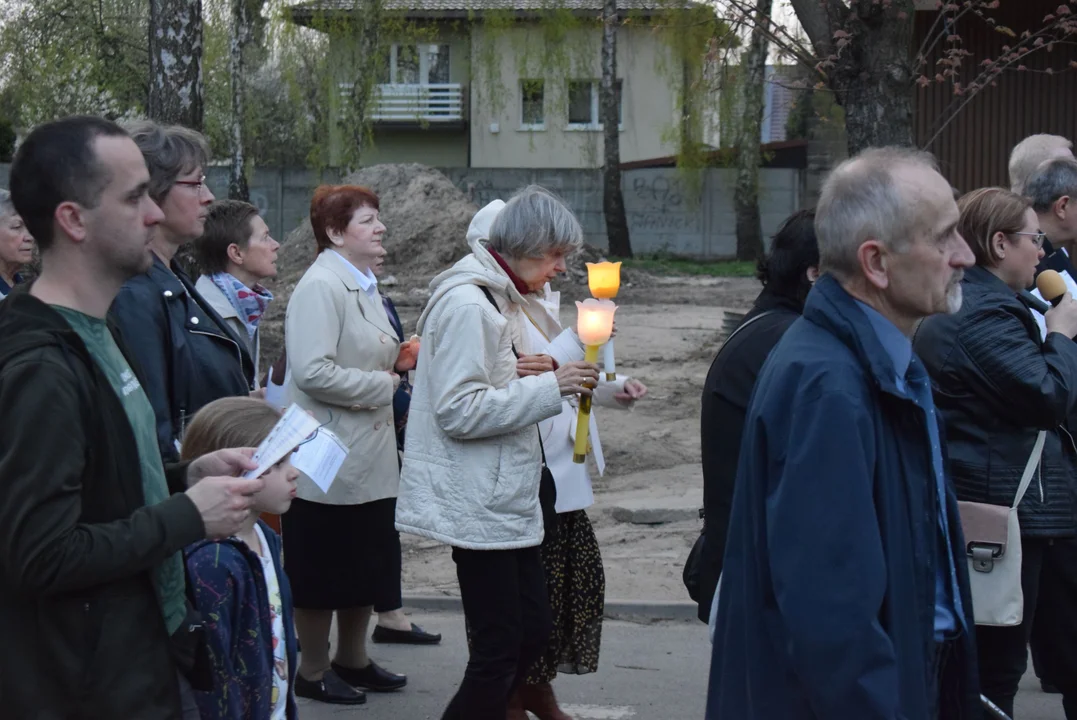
x=993, y=545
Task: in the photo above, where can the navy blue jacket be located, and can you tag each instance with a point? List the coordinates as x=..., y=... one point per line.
x=827, y=599
x=230, y=591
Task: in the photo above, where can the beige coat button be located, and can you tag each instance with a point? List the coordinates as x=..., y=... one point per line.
x=356, y=408
x=383, y=340
x=377, y=426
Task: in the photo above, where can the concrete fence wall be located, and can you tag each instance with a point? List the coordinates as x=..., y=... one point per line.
x=666, y=212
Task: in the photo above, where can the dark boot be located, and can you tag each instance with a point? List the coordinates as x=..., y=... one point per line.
x=540, y=701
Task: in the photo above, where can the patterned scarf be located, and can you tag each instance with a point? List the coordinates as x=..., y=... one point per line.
x=250, y=303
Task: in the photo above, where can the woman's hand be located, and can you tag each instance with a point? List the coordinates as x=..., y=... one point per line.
x=634, y=390
x=576, y=378
x=534, y=365
x=408, y=357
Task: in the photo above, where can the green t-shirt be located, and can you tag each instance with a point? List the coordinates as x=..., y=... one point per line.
x=168, y=576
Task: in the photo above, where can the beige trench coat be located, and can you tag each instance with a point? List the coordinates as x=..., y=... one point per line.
x=341, y=348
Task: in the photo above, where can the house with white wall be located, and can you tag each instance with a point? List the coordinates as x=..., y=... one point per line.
x=462, y=90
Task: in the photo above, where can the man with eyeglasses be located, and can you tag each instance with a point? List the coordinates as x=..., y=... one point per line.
x=1052, y=188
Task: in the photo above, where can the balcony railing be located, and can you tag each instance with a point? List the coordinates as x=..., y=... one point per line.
x=442, y=103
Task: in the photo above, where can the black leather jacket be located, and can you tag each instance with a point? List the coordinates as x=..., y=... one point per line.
x=997, y=383
x=188, y=355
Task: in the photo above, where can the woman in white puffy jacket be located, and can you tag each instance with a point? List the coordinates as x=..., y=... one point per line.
x=575, y=580
x=472, y=457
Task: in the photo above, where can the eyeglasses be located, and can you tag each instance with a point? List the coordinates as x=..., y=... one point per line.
x=1037, y=237
x=196, y=184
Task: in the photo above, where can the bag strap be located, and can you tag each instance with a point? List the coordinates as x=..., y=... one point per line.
x=1030, y=468
x=733, y=334
x=490, y=297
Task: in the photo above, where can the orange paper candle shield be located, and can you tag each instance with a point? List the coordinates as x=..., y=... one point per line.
x=604, y=279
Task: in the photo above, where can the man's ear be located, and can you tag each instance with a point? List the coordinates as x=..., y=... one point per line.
x=71, y=217
x=873, y=257
x=812, y=274
x=1061, y=207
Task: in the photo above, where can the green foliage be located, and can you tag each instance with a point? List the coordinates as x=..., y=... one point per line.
x=662, y=264
x=73, y=56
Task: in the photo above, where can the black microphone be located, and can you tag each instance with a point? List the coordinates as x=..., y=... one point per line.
x=1034, y=302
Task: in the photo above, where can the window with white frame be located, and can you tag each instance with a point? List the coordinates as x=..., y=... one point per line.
x=532, y=104
x=426, y=64
x=584, y=108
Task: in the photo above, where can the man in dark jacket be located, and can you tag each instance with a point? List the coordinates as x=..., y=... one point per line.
x=787, y=274
x=91, y=523
x=844, y=592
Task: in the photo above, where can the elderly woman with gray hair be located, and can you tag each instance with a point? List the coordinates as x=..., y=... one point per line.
x=188, y=355
x=16, y=245
x=473, y=457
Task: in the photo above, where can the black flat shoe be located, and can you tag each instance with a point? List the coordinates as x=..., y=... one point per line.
x=415, y=636
x=372, y=677
x=330, y=689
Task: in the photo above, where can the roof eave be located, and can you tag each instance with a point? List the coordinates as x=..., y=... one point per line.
x=305, y=16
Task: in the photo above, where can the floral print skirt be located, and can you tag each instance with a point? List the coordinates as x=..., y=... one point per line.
x=576, y=584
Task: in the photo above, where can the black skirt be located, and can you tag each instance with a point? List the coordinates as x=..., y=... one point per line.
x=342, y=556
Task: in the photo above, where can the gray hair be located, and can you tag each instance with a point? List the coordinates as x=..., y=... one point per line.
x=169, y=151
x=861, y=200
x=1032, y=152
x=6, y=206
x=533, y=223
x=1052, y=180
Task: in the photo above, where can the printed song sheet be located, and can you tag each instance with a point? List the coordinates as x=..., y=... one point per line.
x=295, y=426
x=320, y=458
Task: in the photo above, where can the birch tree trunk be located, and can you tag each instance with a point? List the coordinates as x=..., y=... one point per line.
x=175, y=44
x=239, y=35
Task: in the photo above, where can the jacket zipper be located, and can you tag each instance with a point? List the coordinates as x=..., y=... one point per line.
x=1039, y=480
x=230, y=341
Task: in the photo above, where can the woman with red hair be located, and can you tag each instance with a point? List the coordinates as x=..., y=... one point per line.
x=345, y=358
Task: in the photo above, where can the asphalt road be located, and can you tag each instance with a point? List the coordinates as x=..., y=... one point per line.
x=652, y=671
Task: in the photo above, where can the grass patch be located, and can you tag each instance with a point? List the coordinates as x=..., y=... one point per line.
x=665, y=265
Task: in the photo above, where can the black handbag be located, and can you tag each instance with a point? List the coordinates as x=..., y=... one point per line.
x=547, y=486
x=693, y=565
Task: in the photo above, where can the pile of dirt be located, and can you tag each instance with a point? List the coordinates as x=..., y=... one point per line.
x=426, y=219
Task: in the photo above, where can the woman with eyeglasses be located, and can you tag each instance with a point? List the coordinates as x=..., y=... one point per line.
x=188, y=355
x=998, y=382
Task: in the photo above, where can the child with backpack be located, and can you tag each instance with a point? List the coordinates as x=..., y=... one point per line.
x=239, y=585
